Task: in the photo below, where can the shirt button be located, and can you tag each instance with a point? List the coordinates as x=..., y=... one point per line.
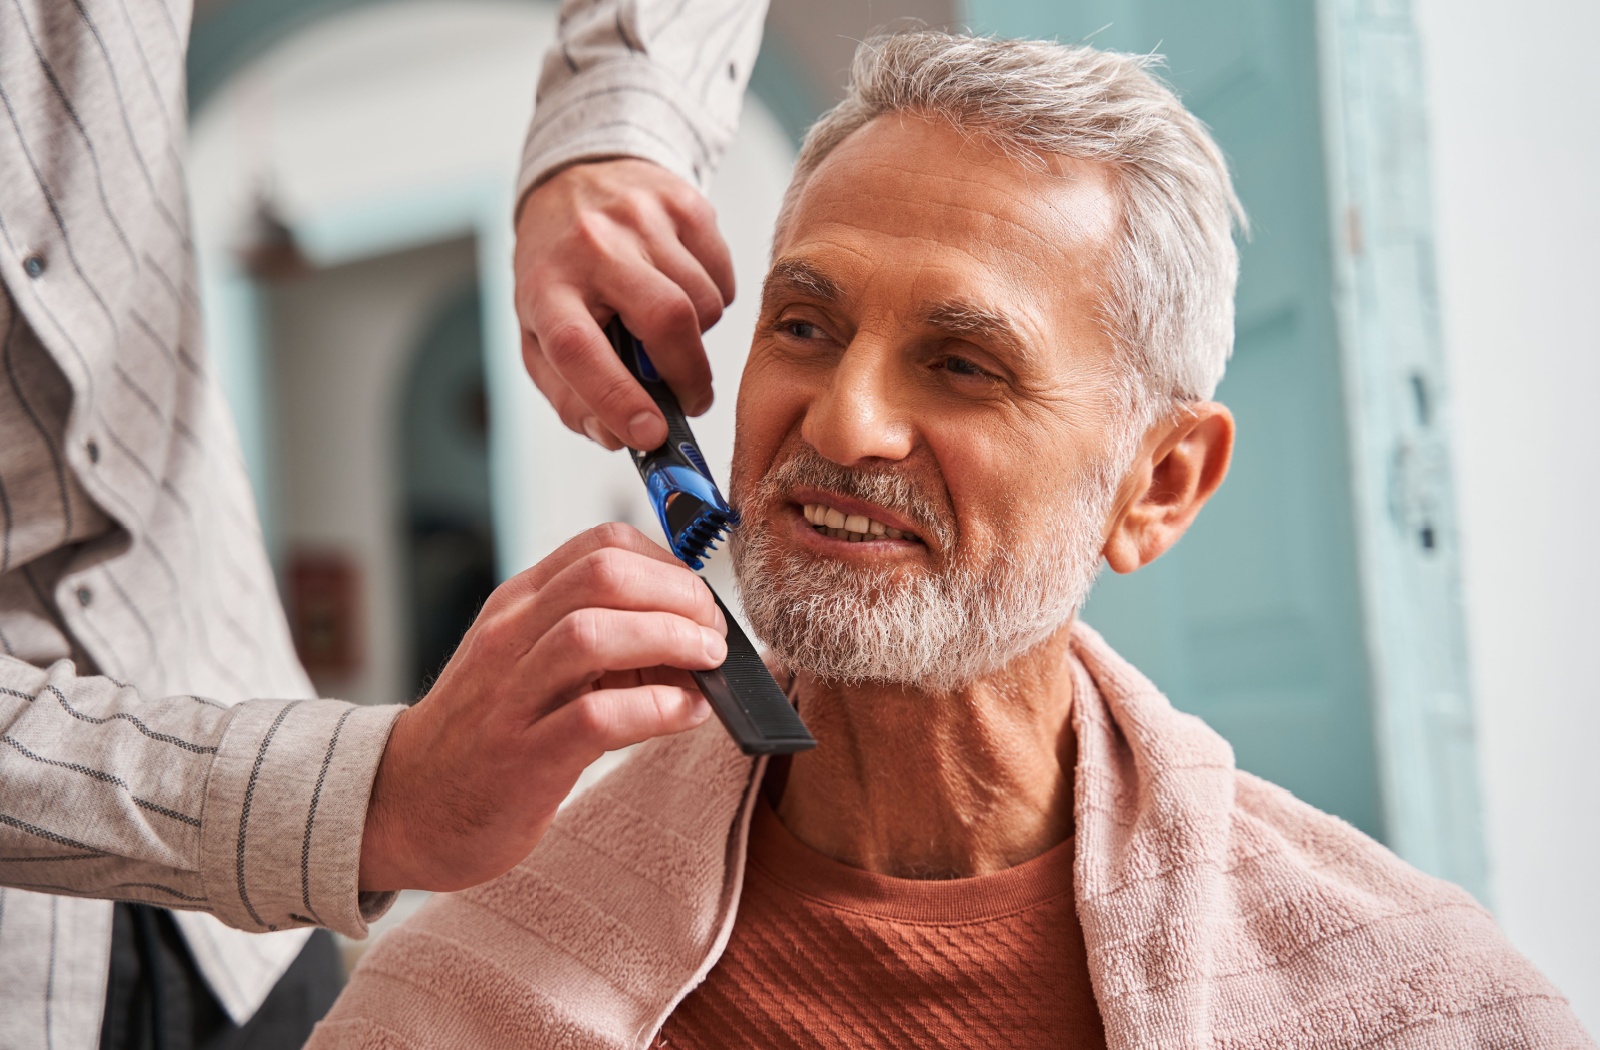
x=93, y=448
x=33, y=265
x=85, y=596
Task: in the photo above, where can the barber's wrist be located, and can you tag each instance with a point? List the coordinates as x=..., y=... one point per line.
x=387, y=856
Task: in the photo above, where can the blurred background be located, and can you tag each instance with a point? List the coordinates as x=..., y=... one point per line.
x=1389, y=608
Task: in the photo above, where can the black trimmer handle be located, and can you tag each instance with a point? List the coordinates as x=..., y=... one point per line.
x=748, y=701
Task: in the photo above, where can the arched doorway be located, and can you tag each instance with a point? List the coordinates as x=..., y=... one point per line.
x=446, y=520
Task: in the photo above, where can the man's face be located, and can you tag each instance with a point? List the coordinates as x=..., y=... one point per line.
x=928, y=438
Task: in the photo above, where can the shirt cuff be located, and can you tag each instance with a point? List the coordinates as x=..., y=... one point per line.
x=626, y=107
x=285, y=808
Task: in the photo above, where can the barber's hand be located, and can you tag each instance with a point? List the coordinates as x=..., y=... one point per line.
x=618, y=237
x=586, y=652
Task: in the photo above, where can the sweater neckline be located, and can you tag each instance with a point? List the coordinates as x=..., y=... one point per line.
x=778, y=856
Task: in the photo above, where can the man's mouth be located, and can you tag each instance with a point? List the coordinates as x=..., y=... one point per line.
x=853, y=528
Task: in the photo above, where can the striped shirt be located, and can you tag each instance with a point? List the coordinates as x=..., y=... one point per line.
x=659, y=79
x=159, y=741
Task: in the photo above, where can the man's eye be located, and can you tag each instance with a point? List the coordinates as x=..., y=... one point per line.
x=962, y=367
x=802, y=329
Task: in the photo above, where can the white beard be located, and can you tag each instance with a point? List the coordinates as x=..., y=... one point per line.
x=933, y=631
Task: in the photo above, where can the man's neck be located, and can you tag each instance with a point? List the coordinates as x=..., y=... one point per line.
x=938, y=786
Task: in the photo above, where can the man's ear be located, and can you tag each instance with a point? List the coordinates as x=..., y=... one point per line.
x=1181, y=463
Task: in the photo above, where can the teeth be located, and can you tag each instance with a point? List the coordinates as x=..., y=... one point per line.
x=854, y=528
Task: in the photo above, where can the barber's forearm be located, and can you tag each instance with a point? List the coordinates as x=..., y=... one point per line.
x=253, y=813
x=661, y=80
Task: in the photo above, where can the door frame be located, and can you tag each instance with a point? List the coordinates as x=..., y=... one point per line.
x=1386, y=299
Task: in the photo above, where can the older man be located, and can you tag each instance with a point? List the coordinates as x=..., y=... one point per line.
x=999, y=303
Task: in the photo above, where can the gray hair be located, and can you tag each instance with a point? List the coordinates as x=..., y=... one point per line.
x=1169, y=307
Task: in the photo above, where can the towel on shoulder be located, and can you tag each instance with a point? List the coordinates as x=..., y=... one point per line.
x=1217, y=911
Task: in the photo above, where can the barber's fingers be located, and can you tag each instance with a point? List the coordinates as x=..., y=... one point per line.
x=611, y=577
x=618, y=236
x=575, y=415
x=696, y=223
x=588, y=643
x=680, y=267
x=608, y=719
x=647, y=676
x=583, y=358
x=664, y=317
x=666, y=298
x=525, y=585
x=647, y=579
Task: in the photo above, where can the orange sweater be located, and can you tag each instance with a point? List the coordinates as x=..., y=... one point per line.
x=824, y=955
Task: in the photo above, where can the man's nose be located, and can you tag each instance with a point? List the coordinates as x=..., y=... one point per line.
x=859, y=414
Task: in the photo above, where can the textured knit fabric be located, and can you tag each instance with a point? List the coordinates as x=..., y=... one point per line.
x=828, y=956
x=130, y=544
x=658, y=79
x=1217, y=910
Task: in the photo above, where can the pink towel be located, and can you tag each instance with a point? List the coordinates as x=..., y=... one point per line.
x=1218, y=911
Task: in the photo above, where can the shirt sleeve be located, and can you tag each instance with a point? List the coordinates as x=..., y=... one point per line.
x=253, y=813
x=662, y=80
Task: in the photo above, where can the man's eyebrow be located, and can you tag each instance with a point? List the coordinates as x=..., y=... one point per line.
x=979, y=324
x=800, y=276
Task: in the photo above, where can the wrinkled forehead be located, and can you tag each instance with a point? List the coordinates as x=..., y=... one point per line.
x=911, y=217
x=912, y=196
x=914, y=173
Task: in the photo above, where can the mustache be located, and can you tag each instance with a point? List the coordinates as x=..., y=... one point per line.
x=887, y=487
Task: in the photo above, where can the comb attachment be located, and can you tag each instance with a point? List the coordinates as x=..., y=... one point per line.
x=691, y=510
x=687, y=502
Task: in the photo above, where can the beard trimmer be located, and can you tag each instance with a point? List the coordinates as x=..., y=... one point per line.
x=694, y=515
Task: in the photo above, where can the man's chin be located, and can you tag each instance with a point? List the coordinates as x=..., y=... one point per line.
x=837, y=623
x=892, y=625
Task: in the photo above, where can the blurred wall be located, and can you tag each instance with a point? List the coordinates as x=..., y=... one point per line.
x=1516, y=157
x=342, y=343
x=818, y=37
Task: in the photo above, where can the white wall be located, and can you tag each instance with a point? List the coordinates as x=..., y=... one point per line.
x=1516, y=135
x=366, y=106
